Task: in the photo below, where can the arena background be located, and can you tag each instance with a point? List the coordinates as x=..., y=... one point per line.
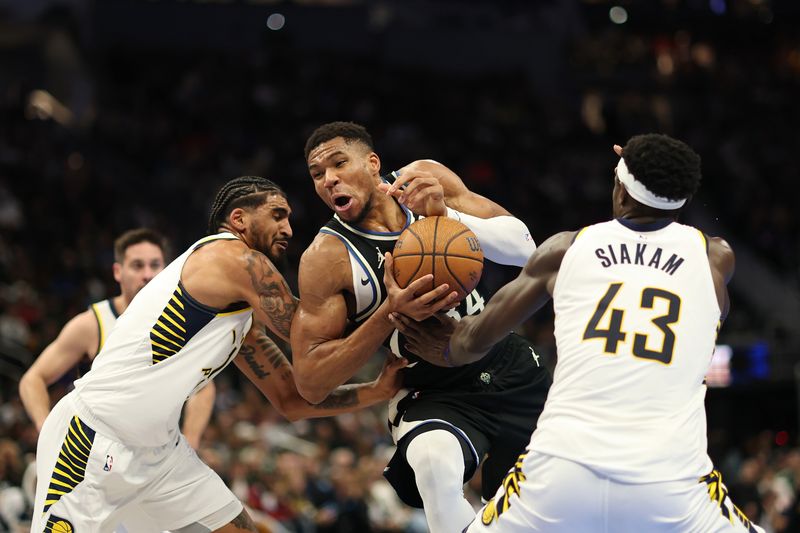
x=122, y=113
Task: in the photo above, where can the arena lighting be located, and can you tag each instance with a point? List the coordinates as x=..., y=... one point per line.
x=43, y=106
x=276, y=21
x=718, y=7
x=618, y=15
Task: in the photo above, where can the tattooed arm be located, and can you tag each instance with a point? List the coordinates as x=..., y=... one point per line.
x=268, y=293
x=264, y=364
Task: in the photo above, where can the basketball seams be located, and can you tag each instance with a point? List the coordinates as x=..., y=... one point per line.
x=420, y=255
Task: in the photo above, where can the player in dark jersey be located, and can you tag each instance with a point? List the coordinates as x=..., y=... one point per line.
x=447, y=419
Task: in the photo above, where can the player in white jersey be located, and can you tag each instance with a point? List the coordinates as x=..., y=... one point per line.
x=111, y=448
x=138, y=257
x=621, y=444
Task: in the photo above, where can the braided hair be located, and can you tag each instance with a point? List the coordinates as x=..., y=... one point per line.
x=244, y=191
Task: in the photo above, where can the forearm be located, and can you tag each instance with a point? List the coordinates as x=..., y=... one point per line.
x=505, y=240
x=35, y=398
x=197, y=414
x=327, y=365
x=343, y=399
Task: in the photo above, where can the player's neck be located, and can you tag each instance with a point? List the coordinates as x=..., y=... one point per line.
x=120, y=303
x=385, y=215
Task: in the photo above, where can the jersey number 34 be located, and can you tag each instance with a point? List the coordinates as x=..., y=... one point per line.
x=613, y=335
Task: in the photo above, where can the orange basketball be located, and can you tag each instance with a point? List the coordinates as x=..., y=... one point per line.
x=440, y=246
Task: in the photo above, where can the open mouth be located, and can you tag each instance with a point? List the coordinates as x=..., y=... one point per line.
x=342, y=202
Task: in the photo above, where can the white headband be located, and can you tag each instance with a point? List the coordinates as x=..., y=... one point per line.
x=642, y=194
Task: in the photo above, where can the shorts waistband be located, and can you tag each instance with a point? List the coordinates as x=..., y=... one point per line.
x=85, y=413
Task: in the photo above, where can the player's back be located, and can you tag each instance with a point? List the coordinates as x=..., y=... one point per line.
x=164, y=347
x=636, y=321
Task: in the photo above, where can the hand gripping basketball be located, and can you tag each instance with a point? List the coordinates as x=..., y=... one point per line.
x=417, y=300
x=443, y=248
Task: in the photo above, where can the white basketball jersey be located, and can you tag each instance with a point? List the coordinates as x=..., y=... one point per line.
x=106, y=316
x=636, y=317
x=164, y=347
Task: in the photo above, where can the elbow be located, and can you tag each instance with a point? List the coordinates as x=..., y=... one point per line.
x=311, y=394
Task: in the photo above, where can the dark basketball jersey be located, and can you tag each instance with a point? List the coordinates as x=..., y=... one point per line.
x=366, y=250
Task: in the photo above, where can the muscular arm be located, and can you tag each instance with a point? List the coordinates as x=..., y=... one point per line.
x=238, y=274
x=512, y=304
x=723, y=264
x=264, y=364
x=433, y=189
x=78, y=338
x=324, y=357
x=197, y=413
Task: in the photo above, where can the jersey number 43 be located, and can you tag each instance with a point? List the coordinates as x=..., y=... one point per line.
x=614, y=335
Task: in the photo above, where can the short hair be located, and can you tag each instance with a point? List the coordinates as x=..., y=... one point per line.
x=244, y=191
x=667, y=167
x=136, y=236
x=349, y=131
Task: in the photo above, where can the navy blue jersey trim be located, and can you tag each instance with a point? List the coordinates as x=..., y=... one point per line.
x=656, y=225
x=353, y=252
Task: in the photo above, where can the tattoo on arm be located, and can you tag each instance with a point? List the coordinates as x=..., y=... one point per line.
x=344, y=396
x=244, y=522
x=276, y=299
x=247, y=351
x=271, y=350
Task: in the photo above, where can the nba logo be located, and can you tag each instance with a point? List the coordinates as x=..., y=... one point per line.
x=109, y=463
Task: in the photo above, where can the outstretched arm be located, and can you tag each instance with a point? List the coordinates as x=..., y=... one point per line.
x=430, y=188
x=262, y=361
x=511, y=305
x=78, y=337
x=197, y=413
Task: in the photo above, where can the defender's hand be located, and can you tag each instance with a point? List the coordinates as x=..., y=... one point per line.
x=423, y=193
x=428, y=339
x=390, y=380
x=407, y=302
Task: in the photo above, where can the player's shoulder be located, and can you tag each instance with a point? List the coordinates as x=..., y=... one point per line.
x=82, y=324
x=324, y=247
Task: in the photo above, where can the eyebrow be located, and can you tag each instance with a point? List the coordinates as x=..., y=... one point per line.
x=280, y=211
x=332, y=154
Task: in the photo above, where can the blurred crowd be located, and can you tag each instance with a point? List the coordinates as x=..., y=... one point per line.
x=147, y=134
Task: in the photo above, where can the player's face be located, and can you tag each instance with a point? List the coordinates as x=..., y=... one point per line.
x=270, y=228
x=141, y=263
x=345, y=177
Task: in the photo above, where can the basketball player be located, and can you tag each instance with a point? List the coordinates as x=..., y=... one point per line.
x=621, y=444
x=111, y=448
x=448, y=419
x=138, y=256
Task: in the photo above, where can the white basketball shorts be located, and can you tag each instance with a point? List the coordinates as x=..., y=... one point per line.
x=546, y=493
x=88, y=482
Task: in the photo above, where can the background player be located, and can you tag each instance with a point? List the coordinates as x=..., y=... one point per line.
x=450, y=418
x=111, y=448
x=638, y=300
x=138, y=257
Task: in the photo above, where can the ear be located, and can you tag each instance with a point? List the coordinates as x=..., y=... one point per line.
x=117, y=272
x=374, y=163
x=238, y=219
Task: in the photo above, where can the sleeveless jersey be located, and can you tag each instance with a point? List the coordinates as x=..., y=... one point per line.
x=164, y=347
x=106, y=315
x=636, y=318
x=366, y=250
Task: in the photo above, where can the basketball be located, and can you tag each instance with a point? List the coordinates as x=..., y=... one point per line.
x=440, y=246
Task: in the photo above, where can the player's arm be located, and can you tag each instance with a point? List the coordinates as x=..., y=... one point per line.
x=510, y=306
x=197, y=413
x=78, y=337
x=723, y=264
x=430, y=188
x=324, y=357
x=264, y=364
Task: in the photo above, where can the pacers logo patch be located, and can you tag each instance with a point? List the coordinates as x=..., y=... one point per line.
x=511, y=487
x=56, y=524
